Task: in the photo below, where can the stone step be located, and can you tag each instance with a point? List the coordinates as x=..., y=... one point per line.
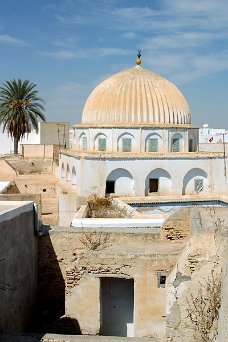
x=71, y=338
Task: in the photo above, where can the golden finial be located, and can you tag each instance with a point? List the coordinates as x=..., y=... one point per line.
x=138, y=60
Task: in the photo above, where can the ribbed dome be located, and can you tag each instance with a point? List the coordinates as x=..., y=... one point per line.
x=136, y=96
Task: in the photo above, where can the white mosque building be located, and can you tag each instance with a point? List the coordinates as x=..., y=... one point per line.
x=136, y=139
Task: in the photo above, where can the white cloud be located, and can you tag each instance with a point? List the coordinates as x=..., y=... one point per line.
x=179, y=38
x=85, y=53
x=63, y=54
x=66, y=42
x=129, y=35
x=9, y=40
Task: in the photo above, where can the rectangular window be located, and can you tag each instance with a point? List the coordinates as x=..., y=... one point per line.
x=84, y=143
x=161, y=279
x=191, y=147
x=101, y=144
x=126, y=144
x=198, y=184
x=176, y=145
x=110, y=187
x=153, y=145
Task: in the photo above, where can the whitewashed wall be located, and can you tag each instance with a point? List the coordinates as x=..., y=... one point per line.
x=139, y=138
x=176, y=176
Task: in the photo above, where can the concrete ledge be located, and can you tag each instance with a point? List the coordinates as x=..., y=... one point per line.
x=103, y=223
x=71, y=338
x=11, y=209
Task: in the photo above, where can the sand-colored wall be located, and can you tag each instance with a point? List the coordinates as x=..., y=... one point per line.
x=6, y=169
x=37, y=151
x=139, y=256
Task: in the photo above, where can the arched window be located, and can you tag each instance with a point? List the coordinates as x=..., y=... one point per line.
x=126, y=142
x=176, y=142
x=100, y=142
x=83, y=142
x=153, y=143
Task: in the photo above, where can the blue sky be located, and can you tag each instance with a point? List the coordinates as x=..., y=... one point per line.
x=67, y=47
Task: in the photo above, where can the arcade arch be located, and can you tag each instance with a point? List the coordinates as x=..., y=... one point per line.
x=195, y=181
x=158, y=181
x=120, y=182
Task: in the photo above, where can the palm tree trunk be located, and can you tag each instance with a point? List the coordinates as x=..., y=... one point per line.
x=15, y=147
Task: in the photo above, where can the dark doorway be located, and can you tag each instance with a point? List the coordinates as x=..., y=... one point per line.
x=153, y=185
x=117, y=306
x=110, y=187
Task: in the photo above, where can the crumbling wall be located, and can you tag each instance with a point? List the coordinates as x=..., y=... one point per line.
x=177, y=226
x=194, y=286
x=65, y=259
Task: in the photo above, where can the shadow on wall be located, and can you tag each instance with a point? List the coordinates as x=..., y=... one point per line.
x=51, y=285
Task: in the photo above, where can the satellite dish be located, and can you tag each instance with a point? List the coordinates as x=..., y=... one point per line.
x=205, y=126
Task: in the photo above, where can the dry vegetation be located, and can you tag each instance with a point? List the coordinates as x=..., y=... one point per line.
x=203, y=308
x=102, y=207
x=95, y=240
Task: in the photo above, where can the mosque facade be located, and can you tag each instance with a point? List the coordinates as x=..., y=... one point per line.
x=136, y=139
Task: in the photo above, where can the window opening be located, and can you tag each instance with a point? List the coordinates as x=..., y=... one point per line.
x=153, y=185
x=190, y=145
x=110, y=187
x=176, y=145
x=161, y=279
x=153, y=144
x=198, y=184
x=101, y=144
x=126, y=144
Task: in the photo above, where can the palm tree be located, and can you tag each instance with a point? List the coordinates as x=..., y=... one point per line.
x=20, y=109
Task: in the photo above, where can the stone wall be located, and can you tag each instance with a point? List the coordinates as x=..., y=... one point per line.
x=196, y=279
x=177, y=226
x=70, y=271
x=223, y=314
x=18, y=267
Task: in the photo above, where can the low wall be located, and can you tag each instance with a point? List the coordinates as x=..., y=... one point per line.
x=219, y=147
x=18, y=265
x=6, y=170
x=38, y=151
